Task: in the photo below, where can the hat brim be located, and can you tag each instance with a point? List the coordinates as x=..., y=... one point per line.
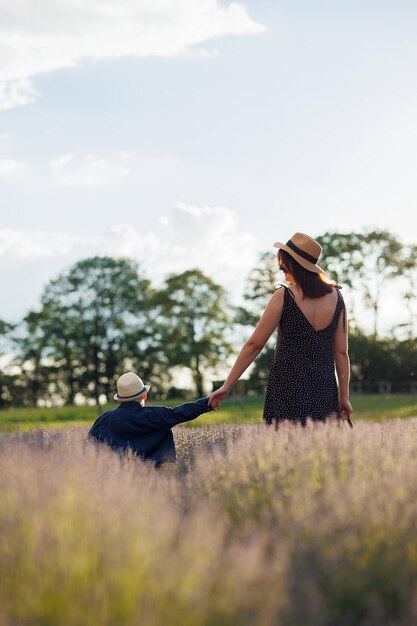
x=311, y=267
x=134, y=398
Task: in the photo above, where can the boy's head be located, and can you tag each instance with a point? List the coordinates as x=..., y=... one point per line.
x=130, y=388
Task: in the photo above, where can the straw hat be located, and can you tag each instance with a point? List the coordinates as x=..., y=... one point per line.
x=130, y=387
x=305, y=250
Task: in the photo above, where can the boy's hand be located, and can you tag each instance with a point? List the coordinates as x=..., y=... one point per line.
x=216, y=398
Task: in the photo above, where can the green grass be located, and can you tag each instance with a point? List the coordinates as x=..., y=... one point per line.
x=233, y=411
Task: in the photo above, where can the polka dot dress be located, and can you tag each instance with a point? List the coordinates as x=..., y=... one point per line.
x=302, y=381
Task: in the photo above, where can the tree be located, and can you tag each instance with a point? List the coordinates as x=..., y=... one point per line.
x=260, y=285
x=342, y=256
x=96, y=315
x=31, y=340
x=410, y=294
x=389, y=359
x=364, y=261
x=6, y=380
x=194, y=322
x=62, y=326
x=383, y=259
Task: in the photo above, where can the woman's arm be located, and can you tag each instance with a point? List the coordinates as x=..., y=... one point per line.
x=341, y=357
x=252, y=347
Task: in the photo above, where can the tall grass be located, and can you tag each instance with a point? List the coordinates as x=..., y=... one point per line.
x=253, y=527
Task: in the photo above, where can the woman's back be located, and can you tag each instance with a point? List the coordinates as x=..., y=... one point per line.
x=319, y=312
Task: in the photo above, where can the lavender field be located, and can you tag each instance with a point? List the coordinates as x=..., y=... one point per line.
x=253, y=527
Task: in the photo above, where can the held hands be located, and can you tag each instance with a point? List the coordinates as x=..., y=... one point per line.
x=217, y=397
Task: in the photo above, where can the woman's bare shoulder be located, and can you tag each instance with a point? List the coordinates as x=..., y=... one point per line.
x=278, y=295
x=276, y=301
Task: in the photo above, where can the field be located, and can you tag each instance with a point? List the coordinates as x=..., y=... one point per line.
x=233, y=411
x=253, y=527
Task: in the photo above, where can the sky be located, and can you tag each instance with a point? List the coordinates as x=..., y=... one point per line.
x=197, y=132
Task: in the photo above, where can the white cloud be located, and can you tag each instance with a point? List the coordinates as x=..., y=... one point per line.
x=204, y=237
x=42, y=36
x=208, y=238
x=17, y=243
x=27, y=245
x=27, y=261
x=123, y=240
x=8, y=167
x=16, y=92
x=205, y=53
x=92, y=171
x=61, y=161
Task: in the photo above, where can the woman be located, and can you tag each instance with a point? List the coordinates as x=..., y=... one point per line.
x=312, y=342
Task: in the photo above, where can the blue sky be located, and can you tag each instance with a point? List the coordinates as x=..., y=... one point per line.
x=197, y=132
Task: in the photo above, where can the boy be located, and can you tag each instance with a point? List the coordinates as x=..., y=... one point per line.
x=144, y=430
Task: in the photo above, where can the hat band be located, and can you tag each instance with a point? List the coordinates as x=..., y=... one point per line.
x=134, y=395
x=305, y=255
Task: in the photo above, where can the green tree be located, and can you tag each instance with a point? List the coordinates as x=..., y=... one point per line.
x=410, y=293
x=31, y=339
x=387, y=359
x=364, y=261
x=194, y=322
x=343, y=256
x=383, y=259
x=96, y=315
x=6, y=380
x=62, y=326
x=260, y=285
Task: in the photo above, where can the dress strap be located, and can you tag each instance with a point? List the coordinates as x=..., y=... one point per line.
x=287, y=289
x=341, y=300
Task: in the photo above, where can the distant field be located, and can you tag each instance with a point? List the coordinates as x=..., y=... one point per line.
x=233, y=411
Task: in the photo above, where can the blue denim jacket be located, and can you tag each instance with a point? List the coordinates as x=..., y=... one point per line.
x=145, y=430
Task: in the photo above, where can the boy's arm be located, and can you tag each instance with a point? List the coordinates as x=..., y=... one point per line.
x=154, y=418
x=186, y=412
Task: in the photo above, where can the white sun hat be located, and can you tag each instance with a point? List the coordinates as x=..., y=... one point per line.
x=130, y=387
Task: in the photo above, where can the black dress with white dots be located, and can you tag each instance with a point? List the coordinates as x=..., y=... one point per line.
x=302, y=381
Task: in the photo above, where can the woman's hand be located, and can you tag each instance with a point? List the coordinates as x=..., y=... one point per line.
x=217, y=397
x=345, y=409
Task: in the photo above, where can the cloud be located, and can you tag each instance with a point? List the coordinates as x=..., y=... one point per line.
x=27, y=261
x=8, y=167
x=5, y=138
x=17, y=243
x=42, y=36
x=16, y=92
x=61, y=161
x=30, y=245
x=205, y=237
x=91, y=172
x=123, y=240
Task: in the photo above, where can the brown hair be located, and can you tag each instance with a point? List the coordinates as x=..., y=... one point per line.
x=312, y=285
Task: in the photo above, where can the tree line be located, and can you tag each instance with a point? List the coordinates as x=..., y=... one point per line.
x=103, y=316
